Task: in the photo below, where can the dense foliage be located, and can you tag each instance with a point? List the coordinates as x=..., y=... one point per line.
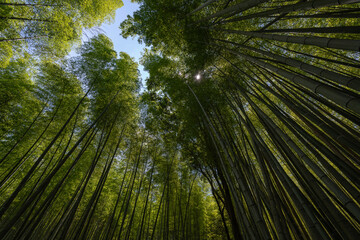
x=248, y=126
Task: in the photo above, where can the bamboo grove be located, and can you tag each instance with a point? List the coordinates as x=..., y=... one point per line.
x=247, y=128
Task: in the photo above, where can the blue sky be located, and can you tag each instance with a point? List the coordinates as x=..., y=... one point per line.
x=130, y=46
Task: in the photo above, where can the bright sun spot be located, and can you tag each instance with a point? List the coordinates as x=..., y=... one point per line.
x=198, y=77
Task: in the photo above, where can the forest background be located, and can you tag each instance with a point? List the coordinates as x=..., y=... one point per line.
x=247, y=126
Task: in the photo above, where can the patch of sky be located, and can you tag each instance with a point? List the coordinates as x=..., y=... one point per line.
x=129, y=45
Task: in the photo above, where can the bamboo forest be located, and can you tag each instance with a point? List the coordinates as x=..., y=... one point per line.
x=247, y=125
